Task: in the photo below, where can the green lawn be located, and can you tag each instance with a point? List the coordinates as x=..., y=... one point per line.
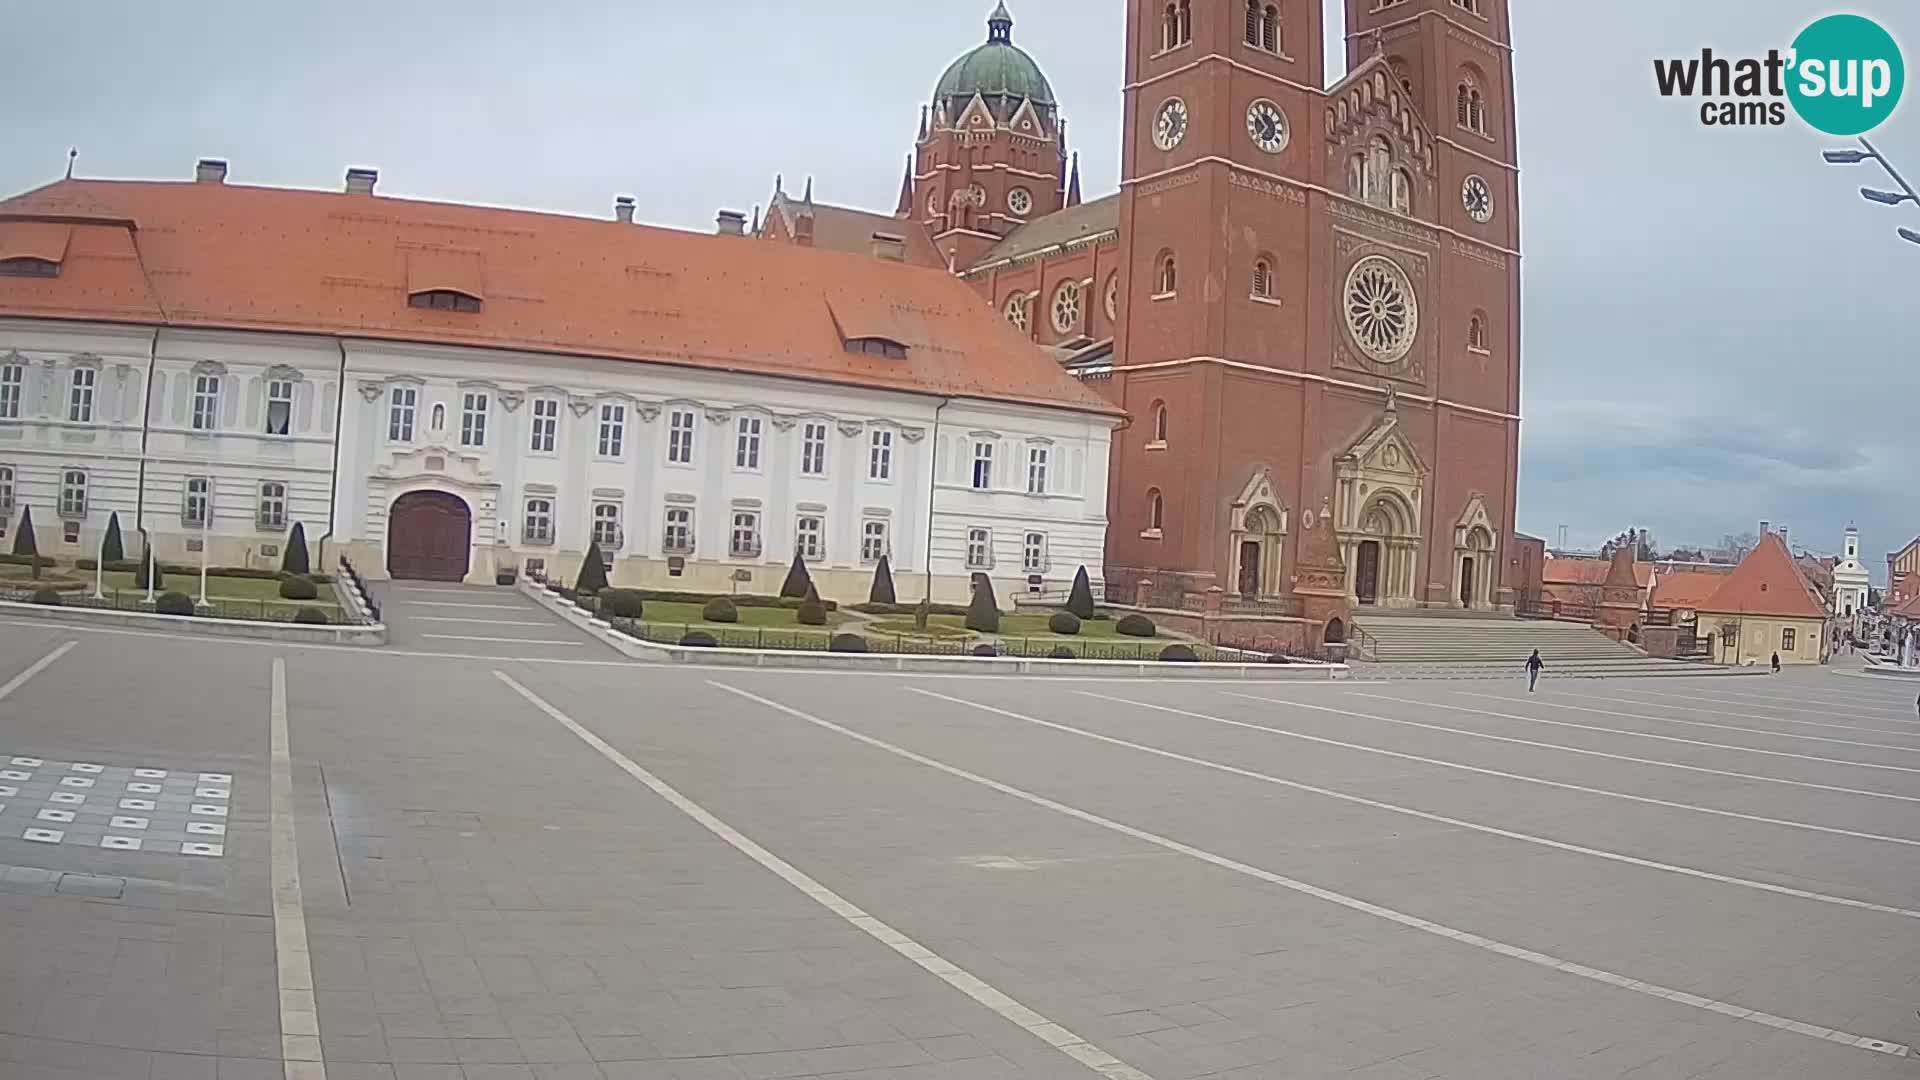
x=662, y=612
x=227, y=590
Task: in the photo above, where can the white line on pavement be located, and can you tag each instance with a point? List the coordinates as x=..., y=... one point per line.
x=36, y=668
x=1635, y=734
x=1877, y=713
x=502, y=640
x=1053, y=1034
x=1662, y=704
x=483, y=622
x=1506, y=775
x=1867, y=700
x=1351, y=903
x=1576, y=749
x=299, y=1014
x=1510, y=699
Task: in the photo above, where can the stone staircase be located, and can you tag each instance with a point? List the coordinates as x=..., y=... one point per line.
x=1458, y=644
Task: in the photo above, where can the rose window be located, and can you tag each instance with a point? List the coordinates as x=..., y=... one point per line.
x=1382, y=314
x=1017, y=311
x=1066, y=307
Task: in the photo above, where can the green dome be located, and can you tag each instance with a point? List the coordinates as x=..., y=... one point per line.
x=996, y=69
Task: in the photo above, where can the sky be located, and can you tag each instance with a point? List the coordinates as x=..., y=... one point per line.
x=1716, y=328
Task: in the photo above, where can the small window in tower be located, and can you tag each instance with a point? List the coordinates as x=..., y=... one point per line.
x=1159, y=424
x=444, y=300
x=1270, y=29
x=1402, y=191
x=1477, y=334
x=1156, y=512
x=1253, y=22
x=1263, y=279
x=1169, y=281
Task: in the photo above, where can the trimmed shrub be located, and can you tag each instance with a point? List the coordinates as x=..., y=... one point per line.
x=24, y=544
x=985, y=650
x=311, y=616
x=141, y=569
x=812, y=612
x=921, y=613
x=47, y=598
x=298, y=588
x=1080, y=600
x=295, y=559
x=113, y=549
x=721, y=610
x=1181, y=653
x=1279, y=658
x=882, y=591
x=1064, y=622
x=622, y=604
x=173, y=603
x=1061, y=652
x=983, y=614
x=593, y=572
x=1135, y=625
x=699, y=639
x=871, y=608
x=852, y=643
x=31, y=560
x=743, y=600
x=798, y=582
x=566, y=594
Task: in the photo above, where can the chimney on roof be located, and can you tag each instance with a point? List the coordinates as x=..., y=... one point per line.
x=623, y=209
x=210, y=170
x=730, y=223
x=361, y=181
x=1765, y=527
x=890, y=246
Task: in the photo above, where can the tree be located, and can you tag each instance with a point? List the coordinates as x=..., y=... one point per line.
x=798, y=580
x=113, y=549
x=1080, y=600
x=1735, y=546
x=23, y=542
x=882, y=591
x=295, y=560
x=140, y=574
x=1687, y=554
x=593, y=572
x=1639, y=539
x=983, y=613
x=1874, y=598
x=812, y=612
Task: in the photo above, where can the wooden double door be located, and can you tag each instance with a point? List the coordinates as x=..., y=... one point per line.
x=429, y=537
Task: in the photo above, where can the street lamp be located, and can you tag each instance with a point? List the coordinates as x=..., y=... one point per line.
x=1881, y=196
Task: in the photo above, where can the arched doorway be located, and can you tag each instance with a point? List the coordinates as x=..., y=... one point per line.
x=1366, y=573
x=1474, y=577
x=1384, y=553
x=429, y=537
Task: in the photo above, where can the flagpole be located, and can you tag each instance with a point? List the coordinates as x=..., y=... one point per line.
x=206, y=531
x=151, y=558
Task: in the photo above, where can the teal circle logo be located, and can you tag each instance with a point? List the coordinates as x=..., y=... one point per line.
x=1847, y=75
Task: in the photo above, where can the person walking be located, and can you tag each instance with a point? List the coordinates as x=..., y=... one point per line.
x=1534, y=664
x=1776, y=663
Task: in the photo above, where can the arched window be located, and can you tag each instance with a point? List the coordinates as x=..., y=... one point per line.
x=1253, y=22
x=1470, y=105
x=1170, y=28
x=1263, y=277
x=1066, y=307
x=1477, y=112
x=1178, y=29
x=1477, y=334
x=1169, y=275
x=1156, y=510
x=1379, y=171
x=1017, y=310
x=1357, y=176
x=1160, y=421
x=1186, y=22
x=1402, y=191
x=439, y=418
x=1270, y=29
x=1463, y=105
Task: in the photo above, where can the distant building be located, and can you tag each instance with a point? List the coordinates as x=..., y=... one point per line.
x=1572, y=586
x=1764, y=607
x=1851, y=583
x=1903, y=574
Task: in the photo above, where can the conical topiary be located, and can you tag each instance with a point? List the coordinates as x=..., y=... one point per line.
x=983, y=613
x=593, y=572
x=140, y=574
x=1080, y=600
x=882, y=591
x=798, y=580
x=812, y=612
x=113, y=549
x=295, y=560
x=23, y=542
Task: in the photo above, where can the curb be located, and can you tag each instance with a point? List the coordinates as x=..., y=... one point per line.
x=372, y=636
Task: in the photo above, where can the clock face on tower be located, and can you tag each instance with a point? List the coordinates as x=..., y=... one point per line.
x=1267, y=126
x=1477, y=197
x=1170, y=124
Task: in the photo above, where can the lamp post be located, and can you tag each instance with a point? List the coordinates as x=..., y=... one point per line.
x=100, y=569
x=206, y=537
x=1906, y=194
x=151, y=559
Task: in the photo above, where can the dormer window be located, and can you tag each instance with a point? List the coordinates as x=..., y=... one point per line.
x=28, y=266
x=444, y=300
x=877, y=346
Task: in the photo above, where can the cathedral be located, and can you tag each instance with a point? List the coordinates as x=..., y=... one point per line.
x=1305, y=296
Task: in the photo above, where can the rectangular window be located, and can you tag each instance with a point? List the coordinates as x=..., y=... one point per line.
x=982, y=465
x=206, y=402
x=80, y=400
x=73, y=493
x=279, y=406
x=680, y=437
x=12, y=378
x=606, y=526
x=813, y=449
x=979, y=549
x=746, y=451
x=6, y=490
x=1037, y=470
x=880, y=459
x=1787, y=639
x=401, y=405
x=473, y=420
x=546, y=425
x=873, y=541
x=272, y=513
x=613, y=430
x=539, y=526
x=811, y=538
x=194, y=512
x=679, y=539
x=746, y=534
x=1033, y=554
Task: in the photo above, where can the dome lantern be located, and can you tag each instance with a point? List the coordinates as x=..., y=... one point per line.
x=998, y=70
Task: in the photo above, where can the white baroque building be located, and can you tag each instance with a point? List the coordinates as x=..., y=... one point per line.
x=1852, y=584
x=442, y=391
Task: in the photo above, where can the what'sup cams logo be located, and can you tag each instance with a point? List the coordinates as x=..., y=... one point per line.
x=1843, y=75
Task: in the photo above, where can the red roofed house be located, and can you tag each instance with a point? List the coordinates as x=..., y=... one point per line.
x=1766, y=606
x=1571, y=586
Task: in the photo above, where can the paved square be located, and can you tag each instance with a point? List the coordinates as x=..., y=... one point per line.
x=91, y=802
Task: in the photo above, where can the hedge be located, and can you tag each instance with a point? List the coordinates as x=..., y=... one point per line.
x=1183, y=653
x=252, y=573
x=812, y=612
x=622, y=604
x=26, y=560
x=1064, y=622
x=1135, y=625
x=848, y=643
x=720, y=610
x=699, y=639
x=985, y=650
x=298, y=588
x=664, y=596
x=1061, y=652
x=310, y=616
x=905, y=609
x=174, y=603
x=47, y=598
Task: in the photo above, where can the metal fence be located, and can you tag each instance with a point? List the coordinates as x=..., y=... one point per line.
x=1034, y=648
x=373, y=606
x=263, y=610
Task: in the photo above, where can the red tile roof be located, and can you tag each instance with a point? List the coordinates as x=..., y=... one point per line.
x=843, y=228
x=1766, y=583
x=1578, y=571
x=227, y=256
x=1687, y=590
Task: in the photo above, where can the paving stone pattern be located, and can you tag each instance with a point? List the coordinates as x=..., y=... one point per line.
x=171, y=811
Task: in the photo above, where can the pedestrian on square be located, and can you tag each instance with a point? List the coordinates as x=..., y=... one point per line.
x=1776, y=663
x=1534, y=664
